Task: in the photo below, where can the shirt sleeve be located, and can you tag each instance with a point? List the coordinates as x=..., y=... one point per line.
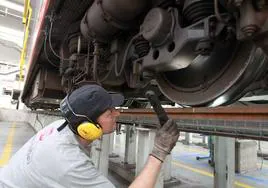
x=84, y=175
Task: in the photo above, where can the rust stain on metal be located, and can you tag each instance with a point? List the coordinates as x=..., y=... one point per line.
x=229, y=113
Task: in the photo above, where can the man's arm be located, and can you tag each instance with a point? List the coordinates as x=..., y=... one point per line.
x=149, y=174
x=165, y=139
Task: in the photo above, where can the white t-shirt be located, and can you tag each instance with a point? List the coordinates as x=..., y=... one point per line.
x=52, y=159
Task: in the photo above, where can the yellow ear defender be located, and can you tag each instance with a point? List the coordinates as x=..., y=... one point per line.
x=89, y=131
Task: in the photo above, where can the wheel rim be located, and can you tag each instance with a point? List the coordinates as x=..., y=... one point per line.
x=226, y=78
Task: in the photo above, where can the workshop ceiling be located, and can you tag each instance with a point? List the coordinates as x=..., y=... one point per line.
x=11, y=30
x=18, y=1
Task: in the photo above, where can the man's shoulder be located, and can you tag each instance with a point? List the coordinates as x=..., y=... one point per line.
x=48, y=131
x=56, y=123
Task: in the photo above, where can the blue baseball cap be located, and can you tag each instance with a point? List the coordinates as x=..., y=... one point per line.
x=90, y=101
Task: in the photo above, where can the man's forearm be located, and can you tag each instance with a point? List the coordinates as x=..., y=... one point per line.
x=165, y=140
x=149, y=174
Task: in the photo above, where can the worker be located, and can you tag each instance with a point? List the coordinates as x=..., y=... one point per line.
x=57, y=155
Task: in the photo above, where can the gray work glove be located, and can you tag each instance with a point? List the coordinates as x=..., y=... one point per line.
x=165, y=139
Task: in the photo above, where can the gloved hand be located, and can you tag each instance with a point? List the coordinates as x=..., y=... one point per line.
x=165, y=139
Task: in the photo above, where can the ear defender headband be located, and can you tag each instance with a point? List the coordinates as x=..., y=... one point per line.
x=87, y=130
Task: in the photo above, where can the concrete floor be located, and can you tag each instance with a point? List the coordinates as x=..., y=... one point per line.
x=185, y=167
x=184, y=159
x=198, y=173
x=12, y=136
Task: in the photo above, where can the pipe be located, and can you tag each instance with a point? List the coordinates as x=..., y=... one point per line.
x=96, y=54
x=79, y=45
x=124, y=10
x=25, y=12
x=11, y=45
x=104, y=19
x=26, y=36
x=10, y=72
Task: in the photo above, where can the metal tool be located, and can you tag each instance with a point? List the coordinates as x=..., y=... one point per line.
x=159, y=110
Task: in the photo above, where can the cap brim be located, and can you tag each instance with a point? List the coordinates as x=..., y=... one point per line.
x=117, y=99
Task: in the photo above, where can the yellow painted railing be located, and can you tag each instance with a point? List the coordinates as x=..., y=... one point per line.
x=26, y=20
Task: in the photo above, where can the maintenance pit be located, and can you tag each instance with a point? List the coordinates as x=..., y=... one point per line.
x=122, y=154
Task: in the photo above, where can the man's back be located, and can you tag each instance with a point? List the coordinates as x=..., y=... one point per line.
x=52, y=159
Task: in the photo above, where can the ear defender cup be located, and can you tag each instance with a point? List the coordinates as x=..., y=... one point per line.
x=89, y=131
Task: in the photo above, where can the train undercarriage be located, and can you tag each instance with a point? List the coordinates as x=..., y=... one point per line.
x=190, y=52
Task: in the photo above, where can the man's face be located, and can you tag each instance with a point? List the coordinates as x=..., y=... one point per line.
x=107, y=120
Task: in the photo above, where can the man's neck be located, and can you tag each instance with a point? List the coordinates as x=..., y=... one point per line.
x=83, y=141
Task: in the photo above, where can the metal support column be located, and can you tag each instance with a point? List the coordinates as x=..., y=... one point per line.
x=224, y=170
x=111, y=147
x=167, y=168
x=169, y=181
x=100, y=154
x=130, y=146
x=122, y=140
x=188, y=138
x=95, y=152
x=205, y=140
x=112, y=152
x=104, y=155
x=145, y=140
